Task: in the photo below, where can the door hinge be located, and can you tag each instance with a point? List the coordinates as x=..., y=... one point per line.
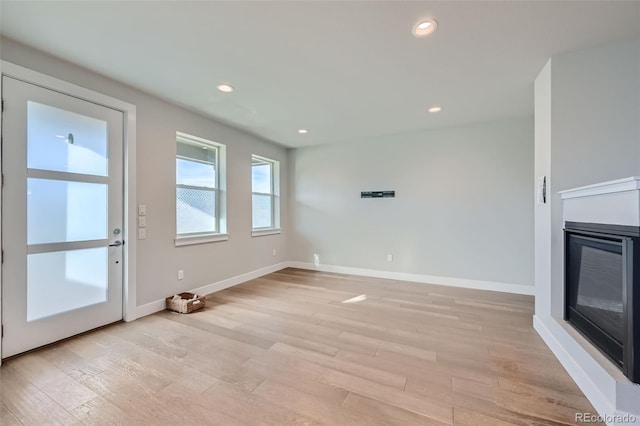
x=2, y=330
x=2, y=256
x=3, y=105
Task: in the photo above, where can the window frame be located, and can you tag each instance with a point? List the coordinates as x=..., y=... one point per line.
x=274, y=194
x=219, y=164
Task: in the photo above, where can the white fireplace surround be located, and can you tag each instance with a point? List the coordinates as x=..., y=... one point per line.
x=615, y=202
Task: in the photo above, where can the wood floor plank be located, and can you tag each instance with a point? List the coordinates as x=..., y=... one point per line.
x=462, y=417
x=99, y=411
x=434, y=410
x=7, y=418
x=286, y=349
x=376, y=375
x=181, y=335
x=472, y=388
x=137, y=401
x=223, y=366
x=142, y=359
x=544, y=403
x=319, y=410
x=69, y=362
x=481, y=405
x=196, y=408
x=295, y=375
x=222, y=331
x=60, y=387
x=386, y=413
x=238, y=309
x=300, y=342
x=389, y=345
x=254, y=409
x=29, y=404
x=430, y=375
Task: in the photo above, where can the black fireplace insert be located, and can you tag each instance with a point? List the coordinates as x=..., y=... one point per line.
x=602, y=290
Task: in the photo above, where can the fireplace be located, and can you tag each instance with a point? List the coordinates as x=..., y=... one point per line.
x=602, y=290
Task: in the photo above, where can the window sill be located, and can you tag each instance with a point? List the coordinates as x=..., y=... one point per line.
x=200, y=239
x=265, y=231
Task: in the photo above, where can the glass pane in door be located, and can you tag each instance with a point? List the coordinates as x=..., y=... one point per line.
x=63, y=141
x=60, y=211
x=62, y=281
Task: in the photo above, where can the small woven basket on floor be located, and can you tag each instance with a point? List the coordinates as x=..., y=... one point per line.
x=185, y=305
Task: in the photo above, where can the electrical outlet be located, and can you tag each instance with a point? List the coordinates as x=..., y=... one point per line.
x=142, y=221
x=316, y=259
x=389, y=258
x=180, y=274
x=142, y=233
x=275, y=252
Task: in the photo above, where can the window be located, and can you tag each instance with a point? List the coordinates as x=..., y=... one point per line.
x=265, y=188
x=200, y=188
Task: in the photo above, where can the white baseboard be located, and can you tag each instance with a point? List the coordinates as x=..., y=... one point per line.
x=159, y=305
x=427, y=279
x=602, y=396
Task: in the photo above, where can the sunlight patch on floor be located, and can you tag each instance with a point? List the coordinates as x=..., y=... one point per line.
x=356, y=299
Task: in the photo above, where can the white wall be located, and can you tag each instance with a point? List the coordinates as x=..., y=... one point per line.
x=543, y=169
x=157, y=123
x=595, y=127
x=587, y=131
x=463, y=205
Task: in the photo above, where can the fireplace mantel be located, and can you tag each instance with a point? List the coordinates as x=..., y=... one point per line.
x=615, y=202
x=618, y=185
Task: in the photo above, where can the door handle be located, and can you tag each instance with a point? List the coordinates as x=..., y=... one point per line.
x=116, y=244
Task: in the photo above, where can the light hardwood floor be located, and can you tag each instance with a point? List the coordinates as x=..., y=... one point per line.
x=286, y=349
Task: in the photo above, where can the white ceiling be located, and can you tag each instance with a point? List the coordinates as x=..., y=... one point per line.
x=345, y=70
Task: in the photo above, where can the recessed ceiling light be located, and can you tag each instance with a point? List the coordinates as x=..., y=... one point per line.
x=225, y=88
x=435, y=109
x=424, y=27
x=204, y=147
x=303, y=131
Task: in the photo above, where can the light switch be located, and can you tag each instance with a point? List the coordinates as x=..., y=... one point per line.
x=142, y=233
x=142, y=221
x=142, y=210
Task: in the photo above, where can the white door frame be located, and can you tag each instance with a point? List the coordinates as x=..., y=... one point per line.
x=130, y=212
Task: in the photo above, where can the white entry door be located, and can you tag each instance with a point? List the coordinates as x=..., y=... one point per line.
x=62, y=216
